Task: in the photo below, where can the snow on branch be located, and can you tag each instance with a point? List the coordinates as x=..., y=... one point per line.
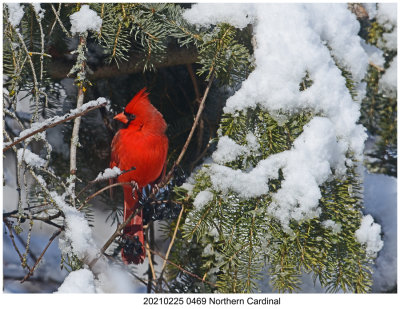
x=108, y=173
x=285, y=53
x=38, y=127
x=85, y=19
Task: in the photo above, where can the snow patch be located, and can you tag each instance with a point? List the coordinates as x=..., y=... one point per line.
x=15, y=13
x=202, y=199
x=388, y=81
x=109, y=173
x=369, y=234
x=30, y=158
x=78, y=281
x=84, y=20
x=228, y=150
x=334, y=226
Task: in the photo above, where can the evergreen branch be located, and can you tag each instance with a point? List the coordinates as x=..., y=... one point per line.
x=41, y=41
x=182, y=269
x=51, y=125
x=35, y=83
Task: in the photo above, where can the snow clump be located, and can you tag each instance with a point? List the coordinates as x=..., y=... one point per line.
x=84, y=20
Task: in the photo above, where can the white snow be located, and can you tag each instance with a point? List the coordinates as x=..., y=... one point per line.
x=235, y=14
x=188, y=187
x=38, y=9
x=30, y=158
x=375, y=54
x=78, y=281
x=371, y=9
x=84, y=20
x=16, y=12
x=369, y=234
x=77, y=237
x=387, y=17
x=227, y=150
x=202, y=198
x=334, y=226
x=109, y=173
x=284, y=53
x=388, y=81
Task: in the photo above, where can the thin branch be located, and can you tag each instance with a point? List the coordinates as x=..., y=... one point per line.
x=118, y=229
x=189, y=138
x=60, y=22
x=380, y=69
x=51, y=125
x=182, y=269
x=152, y=274
x=45, y=220
x=55, y=234
x=102, y=190
x=170, y=245
x=194, y=81
x=9, y=226
x=92, y=182
x=77, y=121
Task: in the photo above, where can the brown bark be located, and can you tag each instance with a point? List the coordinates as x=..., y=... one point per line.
x=60, y=67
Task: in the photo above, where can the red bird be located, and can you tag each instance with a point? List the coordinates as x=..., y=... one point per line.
x=141, y=144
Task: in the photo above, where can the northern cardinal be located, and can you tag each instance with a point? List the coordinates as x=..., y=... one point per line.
x=141, y=144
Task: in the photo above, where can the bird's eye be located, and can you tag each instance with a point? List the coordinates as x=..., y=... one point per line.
x=129, y=116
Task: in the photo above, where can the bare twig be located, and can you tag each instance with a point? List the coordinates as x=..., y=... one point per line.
x=189, y=138
x=30, y=273
x=92, y=182
x=118, y=229
x=102, y=190
x=380, y=69
x=170, y=245
x=60, y=22
x=19, y=140
x=194, y=81
x=151, y=272
x=77, y=121
x=9, y=227
x=45, y=220
x=182, y=269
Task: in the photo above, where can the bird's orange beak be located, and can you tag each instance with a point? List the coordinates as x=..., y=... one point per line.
x=121, y=117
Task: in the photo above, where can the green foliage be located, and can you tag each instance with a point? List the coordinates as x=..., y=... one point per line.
x=379, y=116
x=219, y=51
x=237, y=241
x=379, y=110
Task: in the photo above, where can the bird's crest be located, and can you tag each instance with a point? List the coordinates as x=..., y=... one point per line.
x=138, y=100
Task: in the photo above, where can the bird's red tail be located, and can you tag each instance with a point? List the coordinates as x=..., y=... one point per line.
x=133, y=251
